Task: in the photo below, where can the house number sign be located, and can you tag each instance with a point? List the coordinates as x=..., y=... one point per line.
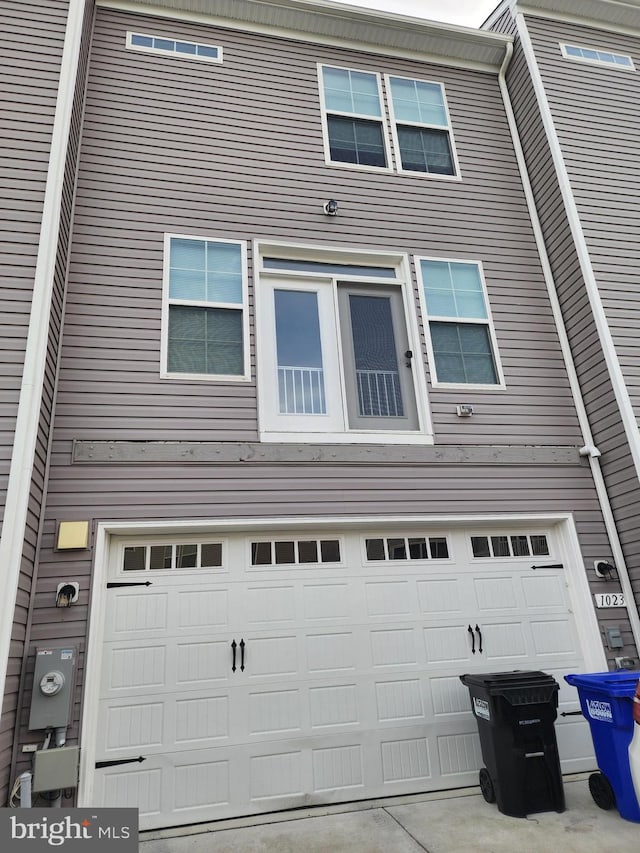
x=610, y=599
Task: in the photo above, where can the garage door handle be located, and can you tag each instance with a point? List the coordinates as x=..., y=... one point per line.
x=241, y=655
x=233, y=663
x=479, y=639
x=473, y=639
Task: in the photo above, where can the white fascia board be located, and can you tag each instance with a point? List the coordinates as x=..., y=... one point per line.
x=350, y=27
x=28, y=416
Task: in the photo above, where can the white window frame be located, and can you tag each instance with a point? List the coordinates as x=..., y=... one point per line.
x=358, y=116
x=603, y=63
x=174, y=54
x=235, y=306
x=272, y=426
x=500, y=385
x=394, y=130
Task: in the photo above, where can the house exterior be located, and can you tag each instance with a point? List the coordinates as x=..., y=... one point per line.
x=297, y=366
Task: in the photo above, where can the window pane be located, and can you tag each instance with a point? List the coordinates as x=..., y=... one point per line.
x=415, y=100
x=330, y=550
x=418, y=549
x=186, y=556
x=224, y=272
x=397, y=549
x=439, y=548
x=187, y=273
x=463, y=353
x=539, y=546
x=480, y=546
x=160, y=557
x=520, y=546
x=164, y=44
x=375, y=356
x=186, y=47
x=211, y=554
x=141, y=41
x=375, y=549
x=205, y=340
x=351, y=91
x=356, y=141
x=500, y=546
x=261, y=554
x=424, y=150
x=285, y=552
x=308, y=552
x=207, y=50
x=134, y=559
x=299, y=353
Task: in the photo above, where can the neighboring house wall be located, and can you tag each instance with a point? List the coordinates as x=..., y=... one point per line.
x=235, y=151
x=596, y=137
x=32, y=45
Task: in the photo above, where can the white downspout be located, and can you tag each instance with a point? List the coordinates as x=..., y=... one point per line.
x=589, y=449
x=30, y=400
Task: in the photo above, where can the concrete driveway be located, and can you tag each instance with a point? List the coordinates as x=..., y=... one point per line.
x=454, y=822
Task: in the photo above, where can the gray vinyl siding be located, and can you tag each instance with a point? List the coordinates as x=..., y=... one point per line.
x=235, y=151
x=240, y=147
x=595, y=116
x=32, y=48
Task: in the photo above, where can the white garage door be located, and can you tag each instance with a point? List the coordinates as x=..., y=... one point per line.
x=348, y=649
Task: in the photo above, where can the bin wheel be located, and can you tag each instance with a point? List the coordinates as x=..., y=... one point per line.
x=486, y=786
x=601, y=791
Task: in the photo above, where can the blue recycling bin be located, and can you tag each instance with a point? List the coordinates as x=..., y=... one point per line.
x=606, y=700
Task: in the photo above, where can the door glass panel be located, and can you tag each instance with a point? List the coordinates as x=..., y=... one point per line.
x=376, y=361
x=301, y=389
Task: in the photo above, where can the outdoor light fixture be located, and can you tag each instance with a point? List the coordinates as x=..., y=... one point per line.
x=603, y=569
x=330, y=207
x=464, y=410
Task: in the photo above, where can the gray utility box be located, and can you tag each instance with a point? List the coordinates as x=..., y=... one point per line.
x=53, y=687
x=55, y=768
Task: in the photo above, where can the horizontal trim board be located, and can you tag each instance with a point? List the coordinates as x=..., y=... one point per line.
x=137, y=452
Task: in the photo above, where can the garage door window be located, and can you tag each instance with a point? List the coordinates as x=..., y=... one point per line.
x=407, y=548
x=510, y=546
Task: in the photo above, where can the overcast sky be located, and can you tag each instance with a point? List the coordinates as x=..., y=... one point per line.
x=468, y=13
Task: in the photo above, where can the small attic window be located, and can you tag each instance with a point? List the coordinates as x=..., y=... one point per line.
x=177, y=48
x=597, y=57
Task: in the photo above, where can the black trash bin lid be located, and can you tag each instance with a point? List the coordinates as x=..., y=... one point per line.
x=520, y=687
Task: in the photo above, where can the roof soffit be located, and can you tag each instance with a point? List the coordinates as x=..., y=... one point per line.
x=342, y=25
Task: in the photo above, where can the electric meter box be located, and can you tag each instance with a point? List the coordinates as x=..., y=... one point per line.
x=53, y=687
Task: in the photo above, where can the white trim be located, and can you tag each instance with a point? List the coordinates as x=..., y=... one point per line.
x=577, y=584
x=367, y=17
x=393, y=121
x=600, y=62
x=583, y=419
x=618, y=384
x=173, y=54
x=500, y=385
x=235, y=306
x=28, y=415
x=578, y=20
x=356, y=116
x=265, y=339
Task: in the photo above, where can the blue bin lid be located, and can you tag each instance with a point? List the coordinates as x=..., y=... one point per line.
x=619, y=683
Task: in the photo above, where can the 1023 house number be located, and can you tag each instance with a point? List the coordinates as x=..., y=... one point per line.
x=610, y=599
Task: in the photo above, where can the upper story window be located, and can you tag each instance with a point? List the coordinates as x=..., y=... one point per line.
x=336, y=343
x=178, y=48
x=461, y=340
x=356, y=130
x=204, y=310
x=421, y=128
x=597, y=57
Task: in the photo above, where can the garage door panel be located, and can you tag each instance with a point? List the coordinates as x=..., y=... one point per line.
x=350, y=687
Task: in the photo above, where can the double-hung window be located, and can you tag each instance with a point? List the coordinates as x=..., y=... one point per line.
x=461, y=340
x=420, y=122
x=359, y=109
x=204, y=322
x=337, y=344
x=353, y=112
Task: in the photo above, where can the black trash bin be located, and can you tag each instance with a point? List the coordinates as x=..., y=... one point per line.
x=515, y=712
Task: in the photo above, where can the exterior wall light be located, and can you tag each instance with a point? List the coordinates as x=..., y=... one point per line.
x=330, y=207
